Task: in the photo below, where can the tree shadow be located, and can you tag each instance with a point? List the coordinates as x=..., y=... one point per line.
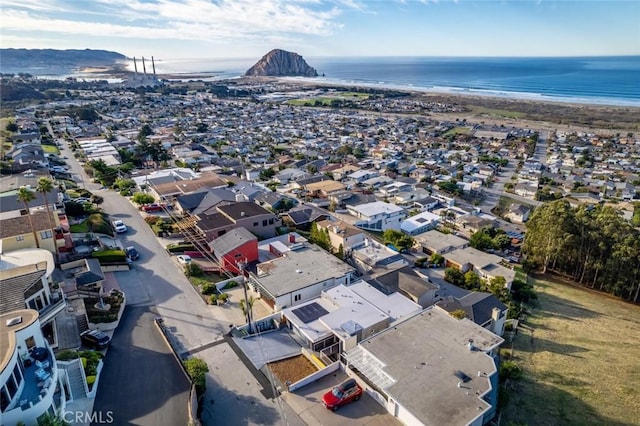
x=532, y=344
x=536, y=403
x=562, y=308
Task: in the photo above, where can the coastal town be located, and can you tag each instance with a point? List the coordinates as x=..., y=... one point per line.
x=236, y=250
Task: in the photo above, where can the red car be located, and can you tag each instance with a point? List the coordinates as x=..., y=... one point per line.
x=153, y=207
x=340, y=395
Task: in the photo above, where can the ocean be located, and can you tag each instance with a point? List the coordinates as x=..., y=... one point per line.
x=590, y=80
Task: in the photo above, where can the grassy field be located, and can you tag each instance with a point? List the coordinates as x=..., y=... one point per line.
x=498, y=113
x=50, y=149
x=326, y=100
x=580, y=352
x=457, y=131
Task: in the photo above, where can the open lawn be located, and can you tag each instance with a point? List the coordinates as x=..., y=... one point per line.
x=580, y=352
x=457, y=131
x=50, y=149
x=326, y=100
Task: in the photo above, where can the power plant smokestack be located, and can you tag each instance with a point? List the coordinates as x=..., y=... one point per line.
x=144, y=68
x=153, y=64
x=135, y=65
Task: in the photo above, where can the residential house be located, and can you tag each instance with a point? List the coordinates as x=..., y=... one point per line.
x=518, y=213
x=434, y=241
x=378, y=216
x=372, y=255
x=342, y=234
x=420, y=223
x=431, y=369
x=235, y=249
x=526, y=189
x=486, y=265
x=275, y=201
x=29, y=377
x=407, y=282
x=304, y=215
x=324, y=188
x=344, y=315
x=218, y=220
x=484, y=309
x=16, y=232
x=474, y=223
x=203, y=199
x=296, y=273
x=29, y=154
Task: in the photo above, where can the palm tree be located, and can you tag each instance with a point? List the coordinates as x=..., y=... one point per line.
x=25, y=195
x=45, y=186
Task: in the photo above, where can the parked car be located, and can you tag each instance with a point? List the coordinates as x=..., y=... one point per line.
x=153, y=207
x=95, y=339
x=340, y=395
x=119, y=226
x=132, y=253
x=184, y=259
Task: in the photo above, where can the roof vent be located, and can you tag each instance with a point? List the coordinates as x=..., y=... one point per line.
x=298, y=271
x=14, y=321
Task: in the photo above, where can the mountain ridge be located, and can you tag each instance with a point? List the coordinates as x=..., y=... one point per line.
x=16, y=59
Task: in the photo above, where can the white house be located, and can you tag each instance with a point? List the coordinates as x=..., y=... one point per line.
x=420, y=223
x=28, y=371
x=378, y=216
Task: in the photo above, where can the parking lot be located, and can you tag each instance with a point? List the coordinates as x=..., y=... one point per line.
x=307, y=403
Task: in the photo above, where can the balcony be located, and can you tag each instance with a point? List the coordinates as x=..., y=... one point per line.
x=50, y=311
x=39, y=378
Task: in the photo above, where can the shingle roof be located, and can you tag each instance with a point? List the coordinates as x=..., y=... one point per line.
x=92, y=275
x=14, y=282
x=305, y=214
x=242, y=209
x=477, y=306
x=231, y=241
x=20, y=225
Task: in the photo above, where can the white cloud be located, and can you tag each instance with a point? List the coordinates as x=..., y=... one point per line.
x=178, y=19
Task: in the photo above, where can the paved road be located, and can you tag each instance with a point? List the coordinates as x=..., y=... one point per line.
x=141, y=383
x=157, y=284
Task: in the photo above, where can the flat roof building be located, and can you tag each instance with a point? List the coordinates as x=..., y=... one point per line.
x=431, y=369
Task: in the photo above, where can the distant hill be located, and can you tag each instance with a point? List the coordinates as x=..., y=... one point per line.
x=28, y=60
x=280, y=63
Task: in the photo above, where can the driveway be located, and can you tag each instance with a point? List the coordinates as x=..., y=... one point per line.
x=141, y=383
x=307, y=403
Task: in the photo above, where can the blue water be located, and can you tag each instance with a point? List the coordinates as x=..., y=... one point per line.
x=603, y=80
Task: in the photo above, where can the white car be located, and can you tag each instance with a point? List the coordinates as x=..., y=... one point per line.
x=184, y=259
x=119, y=226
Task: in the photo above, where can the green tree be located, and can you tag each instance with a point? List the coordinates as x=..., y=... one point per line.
x=436, y=259
x=49, y=419
x=267, y=174
x=11, y=127
x=340, y=252
x=454, y=276
x=141, y=198
x=472, y=281
x=320, y=237
x=458, y=313
x=25, y=196
x=481, y=240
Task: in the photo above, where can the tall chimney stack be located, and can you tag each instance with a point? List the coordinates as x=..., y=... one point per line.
x=135, y=65
x=144, y=68
x=153, y=64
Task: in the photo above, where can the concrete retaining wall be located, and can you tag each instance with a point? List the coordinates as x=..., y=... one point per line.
x=315, y=376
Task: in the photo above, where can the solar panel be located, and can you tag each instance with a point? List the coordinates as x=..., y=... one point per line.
x=310, y=312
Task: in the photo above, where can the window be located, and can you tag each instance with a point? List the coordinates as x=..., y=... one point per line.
x=297, y=297
x=12, y=387
x=20, y=238
x=17, y=374
x=45, y=234
x=270, y=221
x=238, y=255
x=4, y=399
x=255, y=223
x=30, y=342
x=264, y=222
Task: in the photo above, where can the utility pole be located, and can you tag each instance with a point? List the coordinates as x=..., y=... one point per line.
x=247, y=306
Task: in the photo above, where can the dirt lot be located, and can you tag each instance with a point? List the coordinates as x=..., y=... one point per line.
x=292, y=369
x=579, y=350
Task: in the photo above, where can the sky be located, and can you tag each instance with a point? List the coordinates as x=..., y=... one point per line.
x=181, y=29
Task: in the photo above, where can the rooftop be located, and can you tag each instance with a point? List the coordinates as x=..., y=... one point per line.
x=425, y=376
x=8, y=332
x=439, y=241
x=377, y=207
x=300, y=268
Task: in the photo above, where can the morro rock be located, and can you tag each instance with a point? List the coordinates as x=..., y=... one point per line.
x=280, y=63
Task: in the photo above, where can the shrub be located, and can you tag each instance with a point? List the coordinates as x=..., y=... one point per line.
x=224, y=297
x=179, y=248
x=230, y=284
x=197, y=369
x=212, y=299
x=150, y=220
x=66, y=355
x=510, y=370
x=105, y=256
x=84, y=362
x=208, y=289
x=91, y=380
